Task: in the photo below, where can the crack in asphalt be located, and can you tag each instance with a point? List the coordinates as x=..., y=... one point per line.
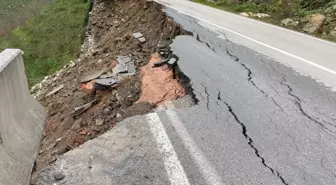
x=250, y=79
x=297, y=102
x=250, y=141
x=208, y=45
x=208, y=96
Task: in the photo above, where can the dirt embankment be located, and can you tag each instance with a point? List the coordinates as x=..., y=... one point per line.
x=110, y=34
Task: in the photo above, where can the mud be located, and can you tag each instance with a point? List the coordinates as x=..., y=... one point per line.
x=109, y=34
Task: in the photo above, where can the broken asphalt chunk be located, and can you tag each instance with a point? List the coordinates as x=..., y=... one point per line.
x=123, y=59
x=120, y=68
x=108, y=81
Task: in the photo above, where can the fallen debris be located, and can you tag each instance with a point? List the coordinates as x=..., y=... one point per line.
x=139, y=36
x=99, y=122
x=59, y=176
x=80, y=110
x=73, y=111
x=56, y=90
x=94, y=75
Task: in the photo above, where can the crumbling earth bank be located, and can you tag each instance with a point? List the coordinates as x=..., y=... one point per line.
x=75, y=113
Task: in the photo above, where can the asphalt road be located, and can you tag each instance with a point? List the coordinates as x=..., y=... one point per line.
x=257, y=120
x=304, y=53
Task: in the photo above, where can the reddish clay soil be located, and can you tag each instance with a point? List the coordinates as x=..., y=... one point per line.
x=159, y=84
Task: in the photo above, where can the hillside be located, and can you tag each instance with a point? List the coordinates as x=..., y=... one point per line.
x=49, y=32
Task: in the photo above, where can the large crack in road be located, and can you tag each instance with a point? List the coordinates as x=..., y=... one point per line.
x=260, y=100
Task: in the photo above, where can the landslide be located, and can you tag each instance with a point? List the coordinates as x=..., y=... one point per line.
x=109, y=34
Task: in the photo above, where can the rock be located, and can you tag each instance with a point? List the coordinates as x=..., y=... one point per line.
x=99, y=61
x=142, y=39
x=72, y=64
x=137, y=35
x=99, y=122
x=59, y=176
x=288, y=22
x=333, y=32
x=315, y=23
x=59, y=139
x=261, y=15
x=244, y=14
x=107, y=110
x=118, y=115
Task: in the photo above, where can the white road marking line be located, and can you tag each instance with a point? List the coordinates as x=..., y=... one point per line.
x=175, y=171
x=207, y=170
x=256, y=41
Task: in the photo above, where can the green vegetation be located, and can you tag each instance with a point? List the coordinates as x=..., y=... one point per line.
x=50, y=38
x=297, y=10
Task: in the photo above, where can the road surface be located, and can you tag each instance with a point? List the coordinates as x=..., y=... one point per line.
x=257, y=121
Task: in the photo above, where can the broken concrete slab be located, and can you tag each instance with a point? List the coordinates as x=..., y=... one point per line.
x=56, y=90
x=137, y=35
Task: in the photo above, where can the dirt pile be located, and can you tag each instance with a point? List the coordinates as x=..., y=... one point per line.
x=75, y=113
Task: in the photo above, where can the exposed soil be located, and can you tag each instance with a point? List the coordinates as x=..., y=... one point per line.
x=109, y=34
x=158, y=84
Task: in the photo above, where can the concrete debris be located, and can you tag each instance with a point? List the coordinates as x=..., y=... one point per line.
x=80, y=110
x=142, y=39
x=59, y=176
x=137, y=35
x=56, y=90
x=99, y=122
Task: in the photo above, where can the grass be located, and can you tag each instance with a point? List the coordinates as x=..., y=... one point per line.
x=51, y=38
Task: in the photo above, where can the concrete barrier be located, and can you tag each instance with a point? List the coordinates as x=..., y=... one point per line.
x=22, y=121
